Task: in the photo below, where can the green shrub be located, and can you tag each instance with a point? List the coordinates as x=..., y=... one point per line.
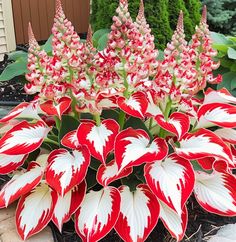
x=221, y=15
x=162, y=16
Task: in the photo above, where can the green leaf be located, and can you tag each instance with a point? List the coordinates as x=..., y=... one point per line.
x=102, y=42
x=107, y=114
x=17, y=55
x=94, y=164
x=98, y=34
x=197, y=167
x=227, y=79
x=15, y=69
x=231, y=53
x=91, y=179
x=221, y=39
x=160, y=55
x=48, y=45
x=68, y=123
x=233, y=83
x=131, y=181
x=226, y=62
x=137, y=123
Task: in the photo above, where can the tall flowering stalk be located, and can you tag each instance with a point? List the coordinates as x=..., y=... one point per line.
x=117, y=139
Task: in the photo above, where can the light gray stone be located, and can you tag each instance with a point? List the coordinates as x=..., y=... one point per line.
x=8, y=231
x=225, y=234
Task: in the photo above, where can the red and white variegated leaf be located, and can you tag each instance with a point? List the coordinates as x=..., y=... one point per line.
x=67, y=205
x=204, y=143
x=9, y=163
x=65, y=170
x=226, y=134
x=7, y=126
x=97, y=214
x=70, y=140
x=99, y=139
x=175, y=223
x=20, y=184
x=110, y=172
x=50, y=108
x=132, y=148
x=23, y=110
x=105, y=101
x=139, y=213
x=172, y=181
x=219, y=96
x=23, y=138
x=152, y=110
x=135, y=106
x=34, y=210
x=216, y=192
x=219, y=114
x=178, y=123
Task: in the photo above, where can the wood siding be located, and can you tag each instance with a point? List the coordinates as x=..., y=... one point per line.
x=41, y=13
x=7, y=37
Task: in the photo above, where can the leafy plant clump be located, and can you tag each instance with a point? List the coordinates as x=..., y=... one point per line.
x=117, y=139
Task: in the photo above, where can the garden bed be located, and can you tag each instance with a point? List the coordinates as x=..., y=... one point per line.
x=201, y=226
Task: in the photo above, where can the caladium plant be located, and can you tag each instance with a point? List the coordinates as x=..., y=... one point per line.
x=116, y=139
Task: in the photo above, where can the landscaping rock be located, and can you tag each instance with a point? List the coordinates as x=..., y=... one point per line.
x=225, y=234
x=8, y=231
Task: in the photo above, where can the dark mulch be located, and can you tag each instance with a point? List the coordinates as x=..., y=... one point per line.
x=12, y=91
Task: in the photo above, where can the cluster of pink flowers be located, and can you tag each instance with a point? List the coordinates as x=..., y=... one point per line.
x=101, y=119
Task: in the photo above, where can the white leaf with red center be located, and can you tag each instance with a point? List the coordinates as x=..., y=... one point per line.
x=23, y=110
x=67, y=205
x=216, y=192
x=139, y=213
x=152, y=110
x=203, y=143
x=34, y=210
x=172, y=181
x=97, y=214
x=23, y=138
x=227, y=134
x=219, y=114
x=70, y=140
x=135, y=106
x=65, y=170
x=20, y=184
x=176, y=224
x=99, y=139
x=50, y=108
x=132, y=148
x=219, y=96
x=9, y=163
x=178, y=123
x=109, y=173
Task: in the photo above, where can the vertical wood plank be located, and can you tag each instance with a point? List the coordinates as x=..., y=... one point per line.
x=16, y=6
x=50, y=13
x=34, y=9
x=76, y=13
x=69, y=10
x=25, y=11
x=43, y=20
x=84, y=12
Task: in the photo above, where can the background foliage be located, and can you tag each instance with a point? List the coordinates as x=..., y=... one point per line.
x=162, y=16
x=221, y=15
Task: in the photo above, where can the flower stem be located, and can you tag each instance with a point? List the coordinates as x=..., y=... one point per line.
x=121, y=119
x=97, y=118
x=162, y=133
x=51, y=141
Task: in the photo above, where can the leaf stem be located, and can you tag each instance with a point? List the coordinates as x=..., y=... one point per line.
x=97, y=118
x=51, y=141
x=121, y=119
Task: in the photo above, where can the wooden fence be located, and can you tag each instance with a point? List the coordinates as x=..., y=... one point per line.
x=41, y=13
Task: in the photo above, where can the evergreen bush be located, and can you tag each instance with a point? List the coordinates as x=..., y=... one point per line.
x=162, y=16
x=221, y=15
